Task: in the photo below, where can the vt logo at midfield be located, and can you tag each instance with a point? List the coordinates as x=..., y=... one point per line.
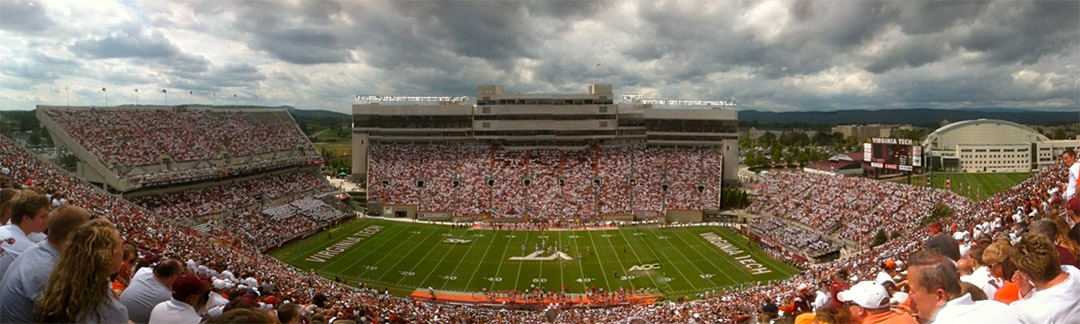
x=456, y=241
x=535, y=256
x=645, y=267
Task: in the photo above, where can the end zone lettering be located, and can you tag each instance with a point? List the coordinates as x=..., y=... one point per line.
x=746, y=260
x=344, y=244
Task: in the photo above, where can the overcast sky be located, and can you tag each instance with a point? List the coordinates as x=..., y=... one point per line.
x=779, y=55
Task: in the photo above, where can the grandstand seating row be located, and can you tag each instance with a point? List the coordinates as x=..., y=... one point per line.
x=544, y=184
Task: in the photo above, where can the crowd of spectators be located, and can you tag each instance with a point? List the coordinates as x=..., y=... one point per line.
x=277, y=225
x=794, y=237
x=849, y=207
x=126, y=138
x=544, y=184
x=254, y=282
x=213, y=200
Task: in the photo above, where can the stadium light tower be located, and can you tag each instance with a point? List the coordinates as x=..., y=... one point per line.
x=106, y=96
x=166, y=92
x=136, y=97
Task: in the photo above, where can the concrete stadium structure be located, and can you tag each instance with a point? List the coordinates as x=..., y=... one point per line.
x=105, y=173
x=990, y=145
x=568, y=122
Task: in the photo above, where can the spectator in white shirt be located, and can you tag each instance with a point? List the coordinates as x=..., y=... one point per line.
x=148, y=290
x=1069, y=187
x=29, y=214
x=936, y=294
x=980, y=277
x=1049, y=291
x=27, y=275
x=189, y=294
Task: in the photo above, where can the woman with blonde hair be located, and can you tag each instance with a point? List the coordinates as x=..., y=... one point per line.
x=78, y=288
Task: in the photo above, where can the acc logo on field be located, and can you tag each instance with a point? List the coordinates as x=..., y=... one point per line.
x=645, y=267
x=456, y=241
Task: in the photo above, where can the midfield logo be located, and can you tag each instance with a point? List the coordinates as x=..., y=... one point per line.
x=456, y=241
x=535, y=256
x=645, y=267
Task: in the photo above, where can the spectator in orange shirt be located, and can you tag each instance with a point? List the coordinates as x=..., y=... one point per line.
x=997, y=257
x=869, y=304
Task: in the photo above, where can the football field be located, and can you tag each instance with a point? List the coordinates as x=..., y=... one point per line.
x=406, y=256
x=982, y=185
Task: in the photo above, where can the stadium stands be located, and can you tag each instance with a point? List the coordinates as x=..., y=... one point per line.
x=155, y=235
x=125, y=139
x=213, y=200
x=852, y=208
x=544, y=184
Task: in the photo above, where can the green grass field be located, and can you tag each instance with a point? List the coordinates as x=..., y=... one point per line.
x=982, y=184
x=407, y=256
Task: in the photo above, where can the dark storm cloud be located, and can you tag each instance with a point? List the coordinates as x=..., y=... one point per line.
x=298, y=33
x=922, y=17
x=1025, y=31
x=913, y=52
x=25, y=16
x=133, y=41
x=230, y=75
x=768, y=54
x=40, y=68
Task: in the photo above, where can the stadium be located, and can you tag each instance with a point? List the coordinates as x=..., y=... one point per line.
x=516, y=209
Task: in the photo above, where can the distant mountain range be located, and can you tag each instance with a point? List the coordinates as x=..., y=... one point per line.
x=917, y=117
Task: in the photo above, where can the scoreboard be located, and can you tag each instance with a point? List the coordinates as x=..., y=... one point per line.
x=892, y=153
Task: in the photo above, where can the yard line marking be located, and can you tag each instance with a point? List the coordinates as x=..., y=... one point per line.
x=357, y=260
x=443, y=259
x=629, y=246
x=582, y=260
x=688, y=281
x=482, y=258
x=603, y=273
x=501, y=259
x=317, y=247
x=736, y=241
x=733, y=264
x=520, y=264
x=402, y=258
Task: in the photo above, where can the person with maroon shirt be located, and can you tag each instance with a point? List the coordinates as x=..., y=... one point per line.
x=1049, y=229
x=839, y=283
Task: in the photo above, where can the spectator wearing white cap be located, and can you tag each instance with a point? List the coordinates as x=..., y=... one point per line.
x=217, y=301
x=888, y=271
x=228, y=275
x=869, y=303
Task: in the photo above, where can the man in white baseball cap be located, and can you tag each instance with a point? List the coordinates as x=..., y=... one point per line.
x=869, y=303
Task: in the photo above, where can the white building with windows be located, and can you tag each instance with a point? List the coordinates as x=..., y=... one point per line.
x=991, y=145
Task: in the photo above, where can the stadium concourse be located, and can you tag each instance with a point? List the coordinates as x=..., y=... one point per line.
x=252, y=279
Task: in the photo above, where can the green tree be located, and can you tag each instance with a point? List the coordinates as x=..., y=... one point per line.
x=1059, y=133
x=35, y=138
x=879, y=238
x=768, y=139
x=803, y=157
x=938, y=212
